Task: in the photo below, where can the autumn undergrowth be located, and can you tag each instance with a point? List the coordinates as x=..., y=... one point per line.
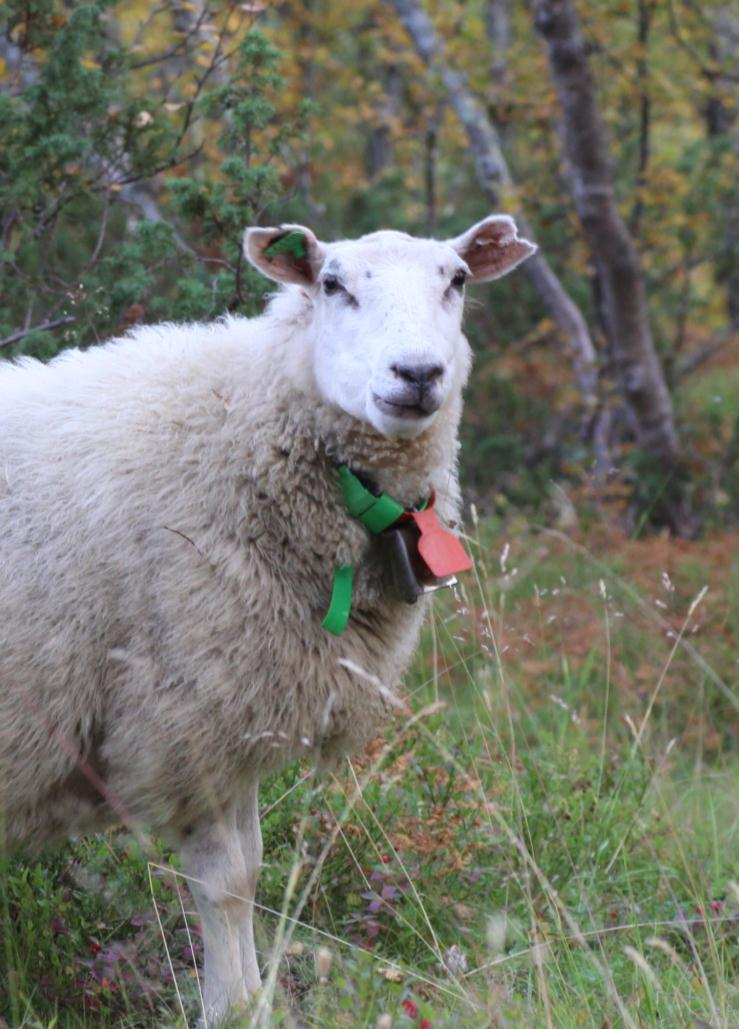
x=546, y=834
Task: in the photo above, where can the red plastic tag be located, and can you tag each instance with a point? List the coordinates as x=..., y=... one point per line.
x=440, y=549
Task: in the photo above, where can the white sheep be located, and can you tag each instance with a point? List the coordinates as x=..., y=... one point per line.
x=170, y=528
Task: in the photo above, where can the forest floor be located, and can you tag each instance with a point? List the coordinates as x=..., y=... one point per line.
x=547, y=836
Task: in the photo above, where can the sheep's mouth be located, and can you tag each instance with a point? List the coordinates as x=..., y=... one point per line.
x=422, y=408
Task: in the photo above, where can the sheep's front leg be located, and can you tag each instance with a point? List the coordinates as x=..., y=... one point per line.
x=250, y=835
x=223, y=884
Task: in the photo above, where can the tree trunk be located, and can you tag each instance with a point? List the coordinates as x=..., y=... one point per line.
x=498, y=28
x=612, y=248
x=722, y=121
x=493, y=174
x=306, y=62
x=645, y=10
x=431, y=157
x=379, y=152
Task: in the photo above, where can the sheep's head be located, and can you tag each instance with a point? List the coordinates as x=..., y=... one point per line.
x=386, y=327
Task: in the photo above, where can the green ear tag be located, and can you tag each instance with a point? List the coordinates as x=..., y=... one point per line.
x=341, y=601
x=291, y=243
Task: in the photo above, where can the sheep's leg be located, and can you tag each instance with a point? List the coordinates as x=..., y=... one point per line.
x=223, y=888
x=251, y=845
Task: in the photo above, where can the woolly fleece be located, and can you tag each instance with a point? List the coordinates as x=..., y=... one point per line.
x=170, y=525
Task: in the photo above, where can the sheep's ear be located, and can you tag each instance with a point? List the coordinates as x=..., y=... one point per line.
x=290, y=253
x=492, y=247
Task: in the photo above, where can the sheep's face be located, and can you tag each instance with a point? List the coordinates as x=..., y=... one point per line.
x=386, y=330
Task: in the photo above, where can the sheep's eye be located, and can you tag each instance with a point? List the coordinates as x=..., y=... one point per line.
x=331, y=285
x=459, y=280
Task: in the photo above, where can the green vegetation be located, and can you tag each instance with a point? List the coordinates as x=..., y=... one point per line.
x=546, y=837
x=104, y=226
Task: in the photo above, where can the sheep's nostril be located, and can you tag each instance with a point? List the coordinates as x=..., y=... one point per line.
x=418, y=374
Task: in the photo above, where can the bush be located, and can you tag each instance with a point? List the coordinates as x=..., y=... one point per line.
x=126, y=179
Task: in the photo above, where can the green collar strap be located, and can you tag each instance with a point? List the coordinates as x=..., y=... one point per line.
x=376, y=512
x=340, y=606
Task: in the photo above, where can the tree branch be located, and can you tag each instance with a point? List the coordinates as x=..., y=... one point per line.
x=707, y=71
x=43, y=327
x=644, y=19
x=705, y=353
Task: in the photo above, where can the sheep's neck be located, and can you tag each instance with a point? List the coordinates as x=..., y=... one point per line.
x=407, y=469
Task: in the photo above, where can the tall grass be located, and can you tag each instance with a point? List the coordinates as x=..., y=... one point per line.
x=545, y=836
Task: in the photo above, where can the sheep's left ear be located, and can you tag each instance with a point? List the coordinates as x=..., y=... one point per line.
x=290, y=253
x=492, y=247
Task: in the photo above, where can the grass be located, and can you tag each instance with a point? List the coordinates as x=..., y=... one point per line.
x=546, y=837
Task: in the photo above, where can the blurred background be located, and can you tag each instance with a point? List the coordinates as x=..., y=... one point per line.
x=138, y=139
x=566, y=768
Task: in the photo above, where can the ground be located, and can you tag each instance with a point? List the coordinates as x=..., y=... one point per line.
x=547, y=836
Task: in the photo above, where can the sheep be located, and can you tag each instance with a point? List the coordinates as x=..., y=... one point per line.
x=171, y=530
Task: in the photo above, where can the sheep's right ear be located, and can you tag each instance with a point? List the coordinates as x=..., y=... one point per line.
x=290, y=253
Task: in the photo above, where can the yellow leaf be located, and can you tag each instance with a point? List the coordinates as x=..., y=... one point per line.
x=87, y=62
x=2, y=66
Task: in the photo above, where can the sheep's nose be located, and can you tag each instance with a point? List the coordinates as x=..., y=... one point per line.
x=421, y=375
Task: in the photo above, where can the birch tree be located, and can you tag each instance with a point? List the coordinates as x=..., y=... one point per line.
x=614, y=255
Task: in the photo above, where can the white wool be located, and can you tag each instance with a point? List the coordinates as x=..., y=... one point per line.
x=171, y=524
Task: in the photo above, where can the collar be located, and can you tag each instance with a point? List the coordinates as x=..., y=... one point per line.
x=440, y=551
x=375, y=510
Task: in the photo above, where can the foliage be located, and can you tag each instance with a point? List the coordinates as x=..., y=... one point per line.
x=117, y=204
x=139, y=140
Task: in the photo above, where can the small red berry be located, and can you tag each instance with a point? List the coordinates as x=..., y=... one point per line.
x=699, y=908
x=613, y=913
x=95, y=948
x=715, y=906
x=410, y=1007
x=385, y=859
x=425, y=1023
